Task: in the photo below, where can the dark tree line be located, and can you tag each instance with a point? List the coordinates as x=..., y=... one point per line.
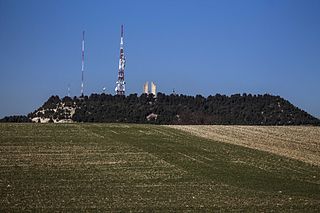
x=15, y=119
x=181, y=109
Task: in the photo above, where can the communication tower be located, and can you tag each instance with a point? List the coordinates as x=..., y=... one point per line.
x=120, y=84
x=82, y=64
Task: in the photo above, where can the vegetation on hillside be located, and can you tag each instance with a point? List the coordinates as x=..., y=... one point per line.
x=15, y=119
x=239, y=109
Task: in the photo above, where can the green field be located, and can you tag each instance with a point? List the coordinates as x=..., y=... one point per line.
x=122, y=167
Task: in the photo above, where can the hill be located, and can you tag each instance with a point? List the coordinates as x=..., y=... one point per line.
x=130, y=167
x=174, y=109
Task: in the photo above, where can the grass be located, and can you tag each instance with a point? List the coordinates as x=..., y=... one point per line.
x=122, y=167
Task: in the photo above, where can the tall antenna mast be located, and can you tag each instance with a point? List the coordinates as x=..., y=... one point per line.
x=82, y=63
x=120, y=84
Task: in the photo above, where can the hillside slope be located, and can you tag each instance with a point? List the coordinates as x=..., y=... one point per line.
x=174, y=109
x=123, y=167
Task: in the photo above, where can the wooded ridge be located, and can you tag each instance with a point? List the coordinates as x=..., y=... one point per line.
x=245, y=109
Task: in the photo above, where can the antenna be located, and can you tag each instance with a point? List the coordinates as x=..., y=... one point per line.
x=120, y=84
x=82, y=63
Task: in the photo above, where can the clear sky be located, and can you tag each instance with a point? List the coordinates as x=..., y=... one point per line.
x=196, y=47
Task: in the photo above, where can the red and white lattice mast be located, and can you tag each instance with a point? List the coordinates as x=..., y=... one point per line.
x=120, y=84
x=82, y=63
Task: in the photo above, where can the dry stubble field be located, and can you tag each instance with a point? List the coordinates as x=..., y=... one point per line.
x=122, y=167
x=297, y=142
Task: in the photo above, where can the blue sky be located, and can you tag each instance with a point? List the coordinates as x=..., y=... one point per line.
x=196, y=47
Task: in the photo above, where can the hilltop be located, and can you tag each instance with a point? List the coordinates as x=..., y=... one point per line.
x=245, y=109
